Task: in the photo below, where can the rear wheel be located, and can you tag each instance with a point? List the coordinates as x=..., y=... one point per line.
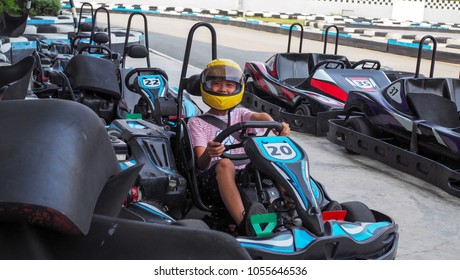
x=361, y=125
x=358, y=212
x=250, y=87
x=301, y=110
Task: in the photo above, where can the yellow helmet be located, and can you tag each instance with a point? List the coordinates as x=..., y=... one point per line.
x=222, y=70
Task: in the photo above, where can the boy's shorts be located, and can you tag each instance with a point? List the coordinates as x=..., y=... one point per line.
x=208, y=182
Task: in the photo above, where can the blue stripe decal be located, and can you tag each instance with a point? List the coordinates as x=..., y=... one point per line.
x=135, y=10
x=315, y=188
x=294, y=182
x=24, y=45
x=50, y=41
x=253, y=21
x=302, y=238
x=282, y=243
x=358, y=232
x=307, y=181
x=188, y=15
x=127, y=164
x=335, y=33
x=40, y=21
x=222, y=17
x=268, y=248
x=190, y=109
x=406, y=44
x=158, y=213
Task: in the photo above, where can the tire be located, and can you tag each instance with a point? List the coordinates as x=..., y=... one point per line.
x=358, y=212
x=251, y=88
x=361, y=125
x=301, y=110
x=46, y=28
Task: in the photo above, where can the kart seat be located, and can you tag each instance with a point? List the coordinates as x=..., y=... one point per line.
x=97, y=79
x=292, y=68
x=57, y=183
x=14, y=80
x=434, y=109
x=436, y=86
x=445, y=87
x=93, y=74
x=12, y=26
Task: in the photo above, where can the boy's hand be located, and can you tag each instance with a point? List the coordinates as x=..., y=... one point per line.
x=215, y=149
x=285, y=130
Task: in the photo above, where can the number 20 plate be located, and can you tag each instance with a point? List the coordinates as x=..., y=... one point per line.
x=279, y=149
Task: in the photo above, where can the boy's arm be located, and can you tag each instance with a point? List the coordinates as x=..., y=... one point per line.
x=204, y=155
x=286, y=130
x=260, y=117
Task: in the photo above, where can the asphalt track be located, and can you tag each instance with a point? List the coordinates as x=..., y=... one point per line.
x=428, y=219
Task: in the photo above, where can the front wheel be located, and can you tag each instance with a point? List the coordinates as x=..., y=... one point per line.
x=301, y=110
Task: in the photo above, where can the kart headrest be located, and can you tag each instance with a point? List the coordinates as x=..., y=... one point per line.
x=318, y=57
x=94, y=74
x=86, y=27
x=137, y=51
x=15, y=79
x=193, y=85
x=101, y=38
x=56, y=158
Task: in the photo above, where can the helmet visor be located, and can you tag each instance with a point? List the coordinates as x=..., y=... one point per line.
x=222, y=73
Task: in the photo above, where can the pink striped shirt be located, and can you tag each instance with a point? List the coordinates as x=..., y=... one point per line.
x=202, y=132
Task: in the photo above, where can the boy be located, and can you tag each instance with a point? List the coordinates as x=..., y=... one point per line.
x=222, y=88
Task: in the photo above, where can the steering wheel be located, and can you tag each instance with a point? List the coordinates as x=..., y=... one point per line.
x=139, y=71
x=243, y=126
x=329, y=64
x=367, y=64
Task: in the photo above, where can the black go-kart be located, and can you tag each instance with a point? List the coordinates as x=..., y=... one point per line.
x=62, y=191
x=308, y=89
x=412, y=124
x=313, y=226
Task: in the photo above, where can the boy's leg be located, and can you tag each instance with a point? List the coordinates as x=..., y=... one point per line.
x=225, y=174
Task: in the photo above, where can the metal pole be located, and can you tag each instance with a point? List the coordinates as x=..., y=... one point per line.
x=74, y=15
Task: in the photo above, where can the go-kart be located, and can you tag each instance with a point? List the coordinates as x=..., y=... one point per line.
x=52, y=56
x=62, y=191
x=416, y=120
x=98, y=77
x=307, y=89
x=310, y=226
x=146, y=90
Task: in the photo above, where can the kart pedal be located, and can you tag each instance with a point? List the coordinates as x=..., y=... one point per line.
x=255, y=209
